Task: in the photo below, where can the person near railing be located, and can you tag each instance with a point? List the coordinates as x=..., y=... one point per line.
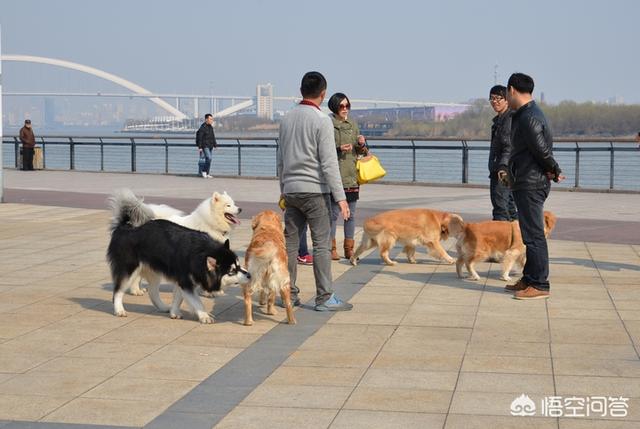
x=531, y=167
x=308, y=171
x=28, y=140
x=206, y=142
x=638, y=139
x=504, y=208
x=349, y=145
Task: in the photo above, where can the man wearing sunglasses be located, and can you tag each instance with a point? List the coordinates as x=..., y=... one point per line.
x=504, y=208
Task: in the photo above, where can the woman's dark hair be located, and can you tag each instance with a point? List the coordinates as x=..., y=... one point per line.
x=335, y=100
x=312, y=85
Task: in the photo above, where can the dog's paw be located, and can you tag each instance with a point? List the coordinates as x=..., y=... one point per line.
x=473, y=278
x=205, y=318
x=248, y=323
x=120, y=313
x=271, y=311
x=450, y=261
x=412, y=261
x=136, y=292
x=175, y=315
x=205, y=294
x=218, y=293
x=505, y=277
x=354, y=261
x=391, y=263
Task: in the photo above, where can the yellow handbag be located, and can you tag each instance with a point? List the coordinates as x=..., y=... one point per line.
x=369, y=169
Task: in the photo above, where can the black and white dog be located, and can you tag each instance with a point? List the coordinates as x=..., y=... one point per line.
x=157, y=249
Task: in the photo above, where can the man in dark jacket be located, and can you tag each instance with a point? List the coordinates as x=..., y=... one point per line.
x=206, y=141
x=28, y=140
x=531, y=167
x=504, y=208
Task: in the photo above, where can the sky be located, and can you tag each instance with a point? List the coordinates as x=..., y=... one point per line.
x=419, y=50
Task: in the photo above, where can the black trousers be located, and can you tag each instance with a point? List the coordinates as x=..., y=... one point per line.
x=530, y=205
x=27, y=158
x=504, y=207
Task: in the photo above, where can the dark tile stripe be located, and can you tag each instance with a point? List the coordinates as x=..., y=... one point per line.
x=209, y=402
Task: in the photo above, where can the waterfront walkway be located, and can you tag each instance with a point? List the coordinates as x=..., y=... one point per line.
x=421, y=348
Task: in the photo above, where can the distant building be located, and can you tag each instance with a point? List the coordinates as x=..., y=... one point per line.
x=386, y=114
x=264, y=101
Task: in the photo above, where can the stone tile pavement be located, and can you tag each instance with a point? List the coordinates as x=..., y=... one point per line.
x=421, y=348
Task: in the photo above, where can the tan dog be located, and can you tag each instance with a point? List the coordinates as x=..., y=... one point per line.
x=492, y=241
x=266, y=261
x=411, y=227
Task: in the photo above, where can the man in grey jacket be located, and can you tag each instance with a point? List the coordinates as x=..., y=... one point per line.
x=309, y=173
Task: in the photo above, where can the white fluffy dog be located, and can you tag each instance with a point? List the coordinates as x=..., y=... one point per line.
x=216, y=216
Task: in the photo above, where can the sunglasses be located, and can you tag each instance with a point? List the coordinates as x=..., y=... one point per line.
x=345, y=106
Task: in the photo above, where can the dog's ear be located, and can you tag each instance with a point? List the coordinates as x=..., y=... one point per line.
x=215, y=197
x=211, y=263
x=254, y=222
x=226, y=244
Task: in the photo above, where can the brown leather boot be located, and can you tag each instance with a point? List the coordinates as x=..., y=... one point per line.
x=518, y=286
x=348, y=248
x=334, y=251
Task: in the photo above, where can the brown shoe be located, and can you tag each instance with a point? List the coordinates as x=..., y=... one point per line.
x=334, y=251
x=531, y=293
x=348, y=247
x=519, y=285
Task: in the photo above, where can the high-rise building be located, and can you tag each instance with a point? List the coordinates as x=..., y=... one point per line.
x=264, y=101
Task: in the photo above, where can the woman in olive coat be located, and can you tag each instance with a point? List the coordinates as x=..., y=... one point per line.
x=350, y=144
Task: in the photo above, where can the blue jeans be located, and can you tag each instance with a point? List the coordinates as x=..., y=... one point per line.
x=349, y=224
x=206, y=165
x=530, y=203
x=303, y=249
x=504, y=207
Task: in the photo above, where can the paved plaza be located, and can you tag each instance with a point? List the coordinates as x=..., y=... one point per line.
x=421, y=348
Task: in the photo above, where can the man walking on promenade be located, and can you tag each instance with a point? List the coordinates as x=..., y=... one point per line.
x=531, y=167
x=308, y=171
x=504, y=208
x=28, y=140
x=206, y=141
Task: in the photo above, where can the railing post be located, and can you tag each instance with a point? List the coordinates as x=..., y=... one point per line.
x=611, y=166
x=166, y=156
x=465, y=162
x=72, y=154
x=277, y=172
x=133, y=154
x=17, y=152
x=101, y=154
x=44, y=157
x=413, y=149
x=239, y=158
x=577, y=182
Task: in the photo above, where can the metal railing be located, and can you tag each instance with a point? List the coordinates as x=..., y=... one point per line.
x=589, y=163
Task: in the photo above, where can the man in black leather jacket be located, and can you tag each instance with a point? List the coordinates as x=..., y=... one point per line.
x=504, y=208
x=531, y=167
x=206, y=142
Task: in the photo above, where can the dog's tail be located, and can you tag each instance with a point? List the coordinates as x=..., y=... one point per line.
x=126, y=208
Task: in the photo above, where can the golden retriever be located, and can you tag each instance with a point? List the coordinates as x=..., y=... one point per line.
x=495, y=241
x=411, y=227
x=266, y=261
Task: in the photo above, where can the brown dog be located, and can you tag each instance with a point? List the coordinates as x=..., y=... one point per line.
x=266, y=261
x=411, y=227
x=493, y=241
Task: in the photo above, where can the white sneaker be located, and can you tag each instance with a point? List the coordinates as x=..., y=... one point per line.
x=203, y=174
x=209, y=176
